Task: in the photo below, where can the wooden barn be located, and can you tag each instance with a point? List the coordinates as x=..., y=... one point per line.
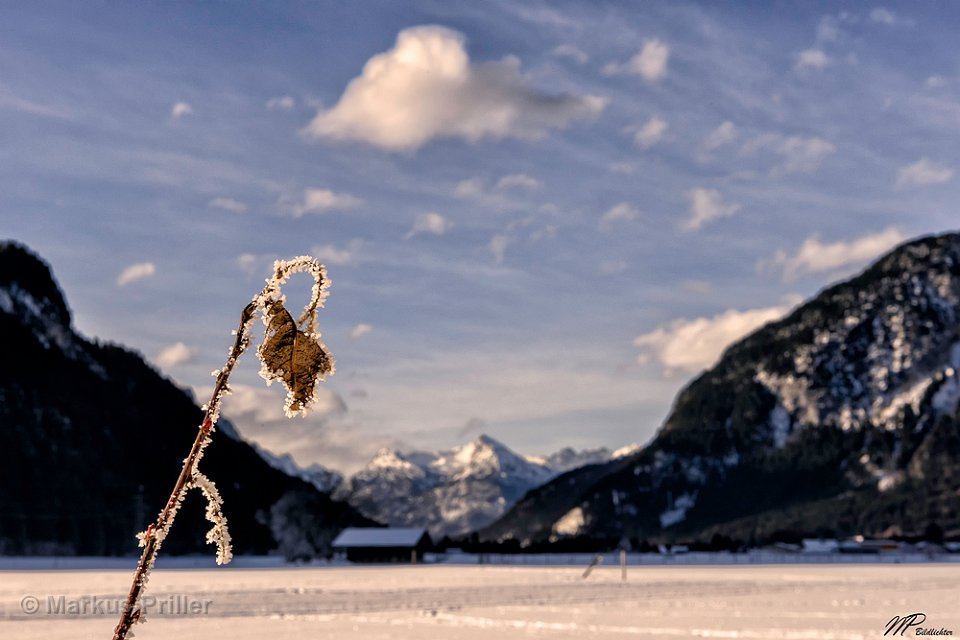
x=395, y=544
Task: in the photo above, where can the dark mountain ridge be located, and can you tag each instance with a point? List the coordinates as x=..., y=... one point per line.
x=92, y=439
x=839, y=419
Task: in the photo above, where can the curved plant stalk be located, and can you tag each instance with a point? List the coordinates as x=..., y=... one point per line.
x=297, y=357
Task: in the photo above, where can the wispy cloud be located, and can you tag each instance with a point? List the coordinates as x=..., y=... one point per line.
x=498, y=247
x=798, y=154
x=327, y=436
x=281, y=103
x=431, y=223
x=249, y=262
x=360, y=330
x=517, y=181
x=322, y=200
x=706, y=205
x=330, y=254
x=227, y=204
x=923, y=173
x=811, y=59
x=886, y=17
x=426, y=87
x=724, y=134
x=814, y=256
x=469, y=188
x=136, y=272
x=476, y=188
x=650, y=133
x=620, y=212
x=570, y=52
x=650, y=63
x=9, y=100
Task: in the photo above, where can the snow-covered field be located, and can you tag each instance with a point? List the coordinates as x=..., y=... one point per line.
x=444, y=602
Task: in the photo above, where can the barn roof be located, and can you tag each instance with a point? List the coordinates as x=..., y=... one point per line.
x=379, y=537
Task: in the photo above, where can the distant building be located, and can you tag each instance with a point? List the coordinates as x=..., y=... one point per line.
x=383, y=545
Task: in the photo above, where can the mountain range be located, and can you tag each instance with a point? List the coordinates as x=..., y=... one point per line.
x=92, y=439
x=839, y=419
x=457, y=491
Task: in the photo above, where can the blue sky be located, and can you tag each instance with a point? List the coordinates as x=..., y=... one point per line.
x=540, y=220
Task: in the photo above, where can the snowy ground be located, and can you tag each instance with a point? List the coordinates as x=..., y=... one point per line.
x=801, y=601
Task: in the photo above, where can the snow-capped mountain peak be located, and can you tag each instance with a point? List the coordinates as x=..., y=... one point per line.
x=457, y=490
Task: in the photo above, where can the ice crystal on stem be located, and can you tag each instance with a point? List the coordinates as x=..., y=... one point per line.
x=291, y=352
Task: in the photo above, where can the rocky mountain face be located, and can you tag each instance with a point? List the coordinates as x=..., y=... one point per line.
x=92, y=439
x=457, y=491
x=840, y=419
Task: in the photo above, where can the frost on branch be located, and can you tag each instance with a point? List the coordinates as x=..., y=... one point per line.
x=218, y=534
x=293, y=353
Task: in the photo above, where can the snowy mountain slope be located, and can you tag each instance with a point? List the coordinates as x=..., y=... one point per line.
x=841, y=417
x=457, y=491
x=325, y=480
x=92, y=439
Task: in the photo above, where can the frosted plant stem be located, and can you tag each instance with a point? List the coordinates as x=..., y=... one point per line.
x=154, y=535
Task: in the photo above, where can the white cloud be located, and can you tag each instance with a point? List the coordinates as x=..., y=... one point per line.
x=724, y=134
x=321, y=200
x=706, y=205
x=517, y=181
x=498, y=247
x=430, y=222
x=571, y=52
x=248, y=262
x=281, y=103
x=327, y=435
x=935, y=82
x=690, y=345
x=360, y=330
x=922, y=173
x=621, y=212
x=264, y=405
x=329, y=254
x=650, y=133
x=813, y=256
x=650, y=63
x=171, y=356
x=799, y=154
x=136, y=272
x=469, y=188
x=426, y=87
x=227, y=204
x=180, y=110
x=811, y=59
